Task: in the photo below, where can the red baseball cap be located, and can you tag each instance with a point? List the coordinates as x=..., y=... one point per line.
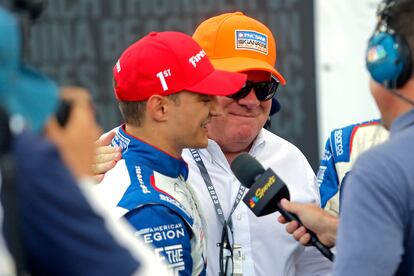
x=165, y=63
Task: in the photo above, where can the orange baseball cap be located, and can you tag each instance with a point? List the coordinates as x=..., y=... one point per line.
x=235, y=42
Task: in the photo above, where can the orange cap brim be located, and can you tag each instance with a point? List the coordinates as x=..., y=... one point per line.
x=242, y=64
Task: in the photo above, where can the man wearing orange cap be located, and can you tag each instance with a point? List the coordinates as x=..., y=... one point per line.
x=165, y=87
x=238, y=242
x=238, y=43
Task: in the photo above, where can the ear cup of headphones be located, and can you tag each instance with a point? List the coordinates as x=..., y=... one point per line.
x=407, y=70
x=388, y=59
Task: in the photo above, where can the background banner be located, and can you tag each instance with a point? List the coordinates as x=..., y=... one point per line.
x=77, y=42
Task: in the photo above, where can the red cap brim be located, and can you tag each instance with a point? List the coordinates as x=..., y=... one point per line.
x=219, y=83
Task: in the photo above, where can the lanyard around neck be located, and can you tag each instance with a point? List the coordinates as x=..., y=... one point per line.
x=212, y=191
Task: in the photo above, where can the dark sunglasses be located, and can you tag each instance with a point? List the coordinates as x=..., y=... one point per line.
x=264, y=90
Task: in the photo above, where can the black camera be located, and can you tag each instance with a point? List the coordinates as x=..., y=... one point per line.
x=63, y=112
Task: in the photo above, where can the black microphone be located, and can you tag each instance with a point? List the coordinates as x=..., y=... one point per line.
x=266, y=191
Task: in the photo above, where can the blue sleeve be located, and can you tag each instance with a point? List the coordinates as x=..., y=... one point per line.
x=374, y=208
x=165, y=230
x=327, y=177
x=61, y=233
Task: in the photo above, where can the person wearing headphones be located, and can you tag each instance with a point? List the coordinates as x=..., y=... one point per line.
x=376, y=228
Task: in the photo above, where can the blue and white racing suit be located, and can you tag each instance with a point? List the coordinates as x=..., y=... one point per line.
x=148, y=187
x=341, y=150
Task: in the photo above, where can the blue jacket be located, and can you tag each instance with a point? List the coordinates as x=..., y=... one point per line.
x=148, y=187
x=341, y=150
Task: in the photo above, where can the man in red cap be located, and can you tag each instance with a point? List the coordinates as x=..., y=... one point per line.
x=166, y=88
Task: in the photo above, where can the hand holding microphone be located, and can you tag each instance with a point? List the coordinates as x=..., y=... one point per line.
x=266, y=192
x=317, y=220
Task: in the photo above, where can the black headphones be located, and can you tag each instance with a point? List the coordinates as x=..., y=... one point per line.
x=388, y=57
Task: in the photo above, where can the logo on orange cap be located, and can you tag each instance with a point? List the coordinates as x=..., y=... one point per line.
x=251, y=40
